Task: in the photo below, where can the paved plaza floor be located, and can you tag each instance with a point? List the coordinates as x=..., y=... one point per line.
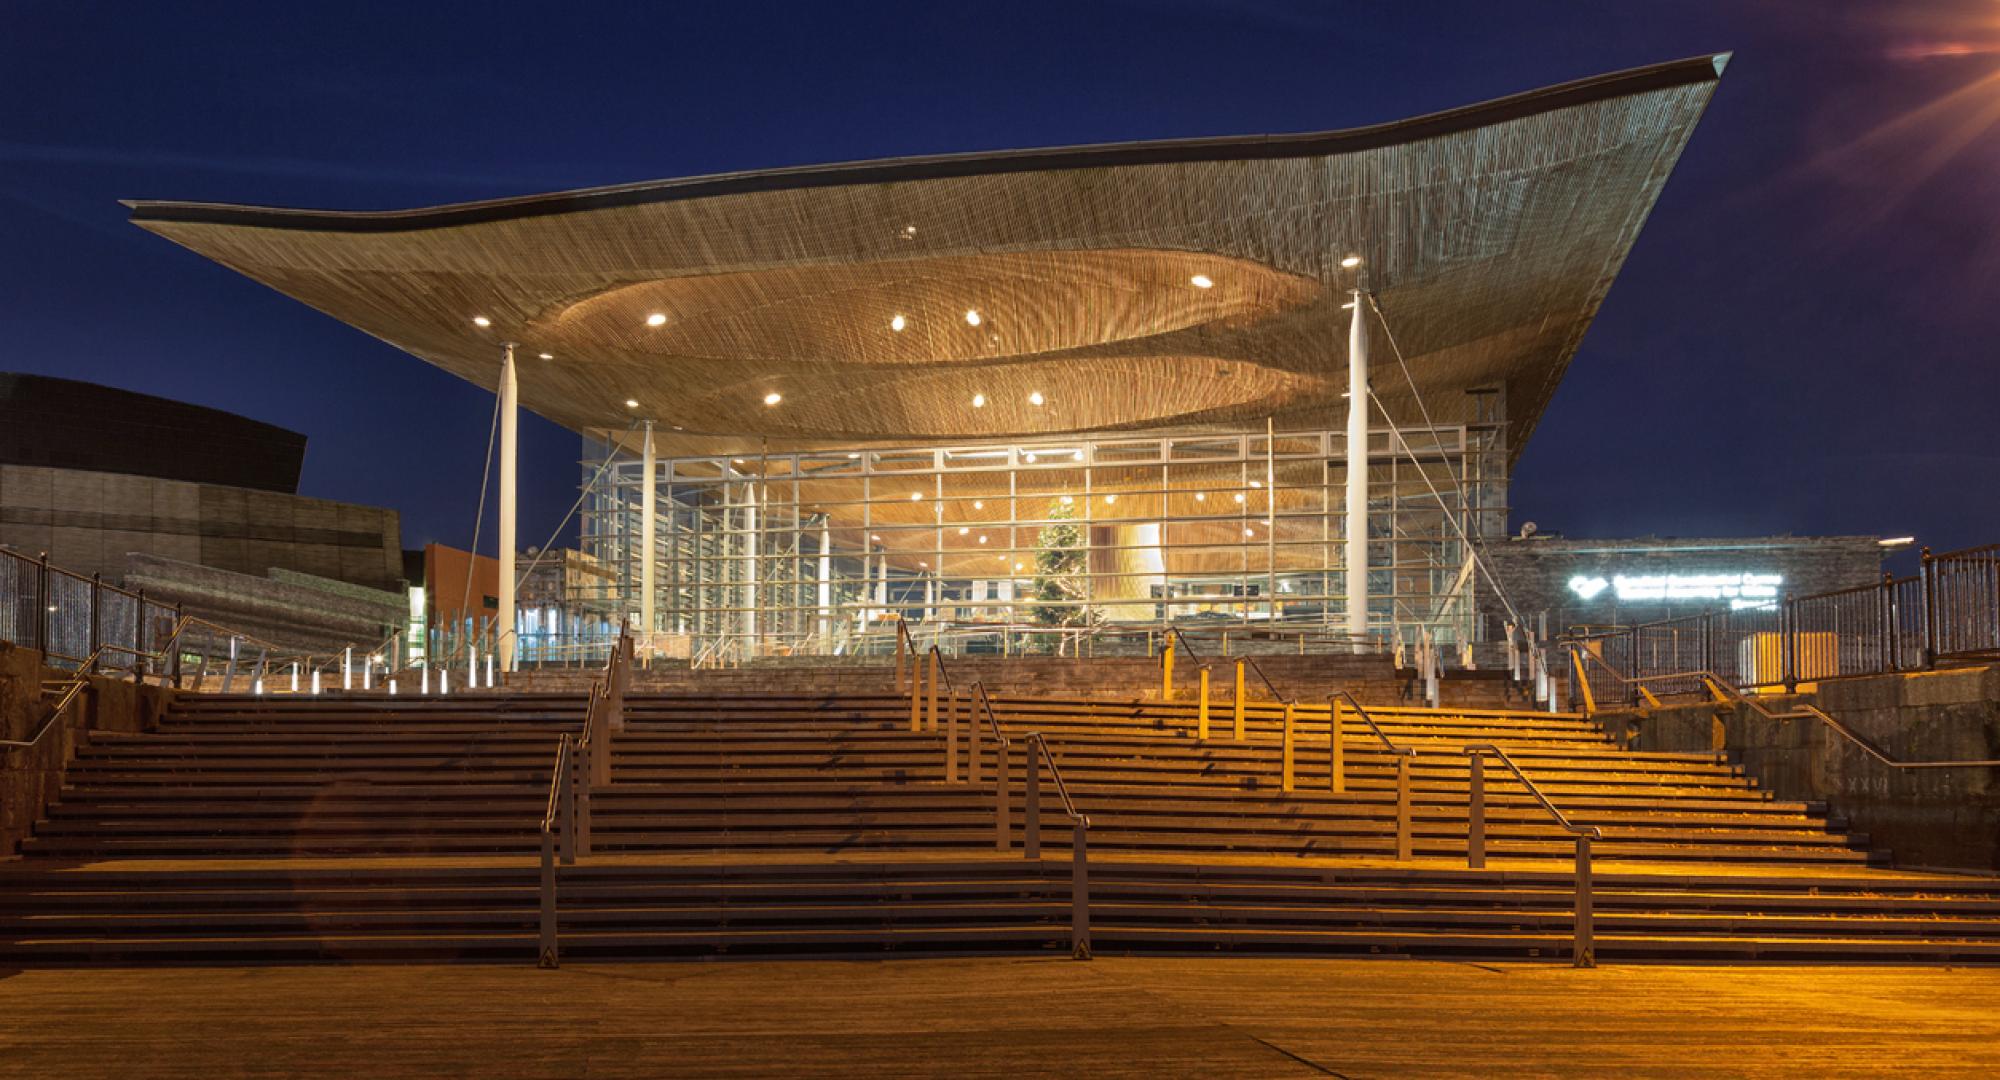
x=964, y=1019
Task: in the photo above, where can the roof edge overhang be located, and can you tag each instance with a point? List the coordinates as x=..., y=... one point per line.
x=1693, y=70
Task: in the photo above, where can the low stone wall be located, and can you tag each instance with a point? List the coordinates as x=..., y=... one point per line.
x=1945, y=818
x=30, y=778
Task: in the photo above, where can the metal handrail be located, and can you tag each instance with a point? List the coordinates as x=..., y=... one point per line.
x=1806, y=710
x=1583, y=947
x=944, y=669
x=1177, y=633
x=1268, y=684
x=1561, y=819
x=1355, y=704
x=1723, y=690
x=569, y=789
x=1062, y=789
x=992, y=721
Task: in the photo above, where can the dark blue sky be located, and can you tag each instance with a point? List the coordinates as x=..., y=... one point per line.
x=1802, y=341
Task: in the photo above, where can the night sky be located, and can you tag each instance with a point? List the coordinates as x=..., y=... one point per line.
x=1802, y=340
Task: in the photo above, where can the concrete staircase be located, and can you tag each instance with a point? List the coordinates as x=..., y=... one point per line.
x=799, y=824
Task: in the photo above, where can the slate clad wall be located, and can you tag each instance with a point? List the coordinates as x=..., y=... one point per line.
x=1536, y=573
x=65, y=424
x=88, y=522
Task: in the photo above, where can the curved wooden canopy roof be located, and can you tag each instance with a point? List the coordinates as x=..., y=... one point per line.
x=1488, y=234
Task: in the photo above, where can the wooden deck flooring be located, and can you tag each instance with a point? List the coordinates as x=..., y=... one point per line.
x=1002, y=1018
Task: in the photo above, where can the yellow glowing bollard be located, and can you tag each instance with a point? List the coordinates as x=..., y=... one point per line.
x=1239, y=701
x=1285, y=774
x=1201, y=711
x=1335, y=720
x=901, y=648
x=916, y=696
x=1167, y=671
x=934, y=689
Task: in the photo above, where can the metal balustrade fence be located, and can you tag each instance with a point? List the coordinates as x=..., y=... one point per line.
x=1948, y=612
x=69, y=617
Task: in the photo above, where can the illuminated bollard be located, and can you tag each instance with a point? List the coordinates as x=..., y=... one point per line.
x=1003, y=827
x=951, y=741
x=1475, y=815
x=1285, y=778
x=1403, y=846
x=1336, y=745
x=1239, y=701
x=934, y=690
x=1167, y=670
x=1201, y=710
x=1585, y=949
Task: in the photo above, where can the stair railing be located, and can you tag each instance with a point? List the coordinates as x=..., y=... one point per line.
x=1338, y=704
x=553, y=819
x=72, y=690
x=1173, y=636
x=1723, y=691
x=1583, y=948
x=1031, y=811
x=906, y=647
x=583, y=762
x=1288, y=750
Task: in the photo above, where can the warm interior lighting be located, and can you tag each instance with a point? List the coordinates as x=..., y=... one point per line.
x=875, y=538
x=546, y=356
x=1201, y=496
x=1350, y=262
x=1017, y=566
x=1201, y=281
x=1109, y=499
x=481, y=321
x=897, y=323
x=916, y=495
x=1239, y=496
x=982, y=539
x=1078, y=456
x=656, y=319
x=1256, y=483
x=1066, y=500
x=773, y=398
x=1035, y=398
x=962, y=530
x=972, y=316
x=1898, y=541
x=1029, y=457
x=851, y=457
x=631, y=404
x=978, y=505
x=1249, y=532
x=909, y=232
x=979, y=401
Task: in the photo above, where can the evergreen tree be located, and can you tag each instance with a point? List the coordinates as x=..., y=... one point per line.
x=1061, y=563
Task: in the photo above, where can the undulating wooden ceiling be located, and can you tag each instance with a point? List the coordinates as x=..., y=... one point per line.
x=1164, y=285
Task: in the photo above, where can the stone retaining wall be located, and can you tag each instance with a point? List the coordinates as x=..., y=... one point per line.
x=1945, y=818
x=31, y=777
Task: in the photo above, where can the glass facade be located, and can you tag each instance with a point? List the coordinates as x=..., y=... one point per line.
x=818, y=552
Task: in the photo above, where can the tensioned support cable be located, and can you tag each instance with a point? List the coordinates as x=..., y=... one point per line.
x=1478, y=554
x=479, y=516
x=610, y=455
